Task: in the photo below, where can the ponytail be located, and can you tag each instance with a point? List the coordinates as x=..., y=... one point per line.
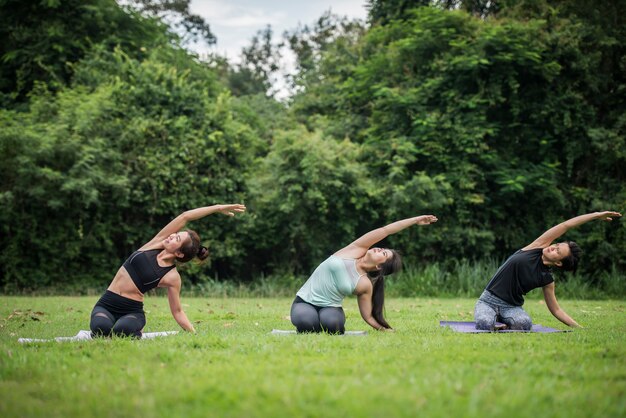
x=203, y=253
x=378, y=300
x=393, y=265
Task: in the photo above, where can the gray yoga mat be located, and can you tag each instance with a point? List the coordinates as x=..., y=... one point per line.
x=291, y=331
x=470, y=327
x=86, y=335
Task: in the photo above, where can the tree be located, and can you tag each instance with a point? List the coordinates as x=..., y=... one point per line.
x=98, y=168
x=382, y=12
x=260, y=61
x=490, y=120
x=192, y=26
x=40, y=40
x=310, y=197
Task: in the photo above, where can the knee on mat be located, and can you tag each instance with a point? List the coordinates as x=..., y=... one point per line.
x=305, y=322
x=333, y=321
x=100, y=330
x=525, y=324
x=127, y=330
x=485, y=324
x=100, y=326
x=308, y=326
x=122, y=331
x=333, y=326
x=334, y=329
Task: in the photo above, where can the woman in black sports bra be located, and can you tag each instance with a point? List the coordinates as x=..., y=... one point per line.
x=120, y=310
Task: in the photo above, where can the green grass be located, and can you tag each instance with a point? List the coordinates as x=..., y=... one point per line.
x=233, y=367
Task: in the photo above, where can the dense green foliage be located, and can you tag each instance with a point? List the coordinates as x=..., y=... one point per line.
x=154, y=135
x=501, y=120
x=39, y=41
x=233, y=367
x=479, y=122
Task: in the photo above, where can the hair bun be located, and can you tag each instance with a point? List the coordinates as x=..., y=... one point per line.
x=203, y=252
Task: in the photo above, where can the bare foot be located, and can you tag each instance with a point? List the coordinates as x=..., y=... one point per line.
x=501, y=327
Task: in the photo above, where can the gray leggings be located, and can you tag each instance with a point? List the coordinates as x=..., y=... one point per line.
x=311, y=318
x=490, y=309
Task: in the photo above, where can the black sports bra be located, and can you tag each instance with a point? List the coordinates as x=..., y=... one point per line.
x=144, y=269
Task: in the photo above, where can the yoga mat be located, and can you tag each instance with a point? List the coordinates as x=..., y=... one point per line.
x=86, y=335
x=291, y=331
x=470, y=327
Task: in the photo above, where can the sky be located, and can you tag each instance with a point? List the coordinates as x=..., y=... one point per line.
x=235, y=22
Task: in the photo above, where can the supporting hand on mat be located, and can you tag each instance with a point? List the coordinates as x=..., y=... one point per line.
x=554, y=307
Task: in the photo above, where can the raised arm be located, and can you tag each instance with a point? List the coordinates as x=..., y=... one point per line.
x=554, y=308
x=181, y=220
x=359, y=247
x=556, y=231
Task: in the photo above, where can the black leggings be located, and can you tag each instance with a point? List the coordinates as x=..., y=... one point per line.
x=310, y=318
x=117, y=315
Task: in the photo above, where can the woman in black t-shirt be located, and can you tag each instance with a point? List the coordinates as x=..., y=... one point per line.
x=528, y=269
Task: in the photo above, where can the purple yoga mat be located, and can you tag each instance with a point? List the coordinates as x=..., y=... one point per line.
x=470, y=327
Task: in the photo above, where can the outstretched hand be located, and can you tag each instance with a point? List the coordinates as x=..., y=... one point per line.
x=426, y=219
x=608, y=215
x=230, y=210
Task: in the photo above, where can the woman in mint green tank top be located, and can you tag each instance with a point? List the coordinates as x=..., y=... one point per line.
x=354, y=270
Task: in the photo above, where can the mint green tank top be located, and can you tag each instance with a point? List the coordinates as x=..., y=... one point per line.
x=331, y=281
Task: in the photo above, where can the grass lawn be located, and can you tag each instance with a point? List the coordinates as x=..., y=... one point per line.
x=233, y=367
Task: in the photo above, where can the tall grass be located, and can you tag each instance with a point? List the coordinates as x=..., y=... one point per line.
x=264, y=287
x=457, y=279
x=462, y=278
x=468, y=279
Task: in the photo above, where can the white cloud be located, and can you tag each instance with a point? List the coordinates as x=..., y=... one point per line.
x=229, y=15
x=255, y=20
x=235, y=22
x=212, y=9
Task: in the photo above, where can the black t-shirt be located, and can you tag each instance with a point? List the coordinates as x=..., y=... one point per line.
x=520, y=273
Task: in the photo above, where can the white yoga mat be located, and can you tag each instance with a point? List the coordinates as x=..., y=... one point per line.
x=291, y=331
x=86, y=335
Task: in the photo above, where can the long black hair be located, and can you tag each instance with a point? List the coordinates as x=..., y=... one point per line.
x=393, y=265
